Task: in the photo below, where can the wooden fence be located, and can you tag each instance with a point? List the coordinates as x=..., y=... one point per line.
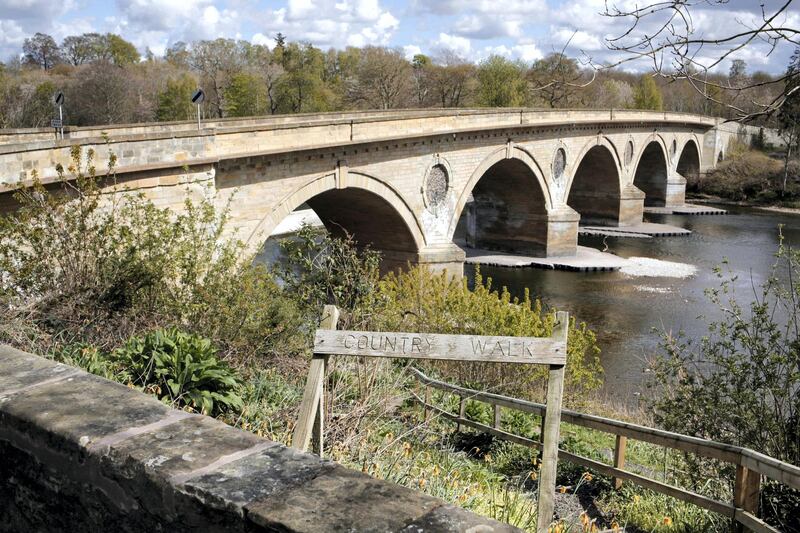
x=750, y=465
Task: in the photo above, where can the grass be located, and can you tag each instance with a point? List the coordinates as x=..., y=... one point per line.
x=493, y=478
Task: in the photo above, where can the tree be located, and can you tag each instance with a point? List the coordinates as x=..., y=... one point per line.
x=421, y=67
x=175, y=102
x=501, y=83
x=382, y=79
x=80, y=49
x=738, y=72
x=217, y=61
x=38, y=108
x=178, y=55
x=41, y=50
x=301, y=88
x=121, y=52
x=556, y=79
x=245, y=96
x=103, y=94
x=452, y=80
x=789, y=115
x=646, y=95
x=663, y=33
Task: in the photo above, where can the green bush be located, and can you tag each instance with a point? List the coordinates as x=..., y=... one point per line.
x=86, y=261
x=181, y=368
x=321, y=269
x=739, y=384
x=420, y=300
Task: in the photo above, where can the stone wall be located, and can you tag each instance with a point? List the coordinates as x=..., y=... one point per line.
x=80, y=453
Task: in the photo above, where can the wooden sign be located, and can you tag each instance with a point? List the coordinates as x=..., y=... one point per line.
x=532, y=350
x=551, y=351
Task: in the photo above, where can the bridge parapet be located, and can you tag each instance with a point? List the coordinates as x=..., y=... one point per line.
x=81, y=453
x=151, y=146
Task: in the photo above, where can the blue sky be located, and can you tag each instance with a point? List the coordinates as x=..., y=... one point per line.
x=524, y=29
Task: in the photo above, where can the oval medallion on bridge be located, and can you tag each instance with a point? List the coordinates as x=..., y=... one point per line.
x=436, y=185
x=628, y=153
x=559, y=164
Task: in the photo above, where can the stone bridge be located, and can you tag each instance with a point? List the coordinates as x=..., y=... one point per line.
x=406, y=182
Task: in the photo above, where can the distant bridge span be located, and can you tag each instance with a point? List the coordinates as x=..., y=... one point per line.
x=405, y=182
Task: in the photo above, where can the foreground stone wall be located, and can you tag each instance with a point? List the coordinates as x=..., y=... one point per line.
x=81, y=453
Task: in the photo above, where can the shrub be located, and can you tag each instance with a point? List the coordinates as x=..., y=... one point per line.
x=181, y=368
x=748, y=175
x=420, y=300
x=86, y=261
x=741, y=383
x=321, y=269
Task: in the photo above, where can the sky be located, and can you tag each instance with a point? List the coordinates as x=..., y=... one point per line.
x=473, y=29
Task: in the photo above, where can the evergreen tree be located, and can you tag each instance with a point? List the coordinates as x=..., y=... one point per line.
x=245, y=96
x=175, y=102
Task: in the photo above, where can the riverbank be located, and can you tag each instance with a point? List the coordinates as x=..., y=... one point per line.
x=776, y=208
x=751, y=177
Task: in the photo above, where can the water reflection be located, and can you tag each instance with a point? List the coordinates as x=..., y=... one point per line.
x=623, y=310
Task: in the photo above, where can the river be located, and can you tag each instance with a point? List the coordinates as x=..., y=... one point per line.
x=624, y=308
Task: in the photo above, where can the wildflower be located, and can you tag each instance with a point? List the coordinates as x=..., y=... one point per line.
x=584, y=519
x=636, y=498
x=594, y=528
x=562, y=489
x=488, y=458
x=435, y=470
x=532, y=475
x=615, y=527
x=587, y=476
x=667, y=521
x=422, y=482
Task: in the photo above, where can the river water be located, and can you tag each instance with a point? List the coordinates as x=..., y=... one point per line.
x=664, y=291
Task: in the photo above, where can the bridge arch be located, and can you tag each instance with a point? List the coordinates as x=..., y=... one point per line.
x=689, y=160
x=505, y=205
x=652, y=172
x=358, y=204
x=595, y=187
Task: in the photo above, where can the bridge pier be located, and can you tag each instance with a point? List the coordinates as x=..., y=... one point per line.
x=551, y=234
x=631, y=206
x=675, y=195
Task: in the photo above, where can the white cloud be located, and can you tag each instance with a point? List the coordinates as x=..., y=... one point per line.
x=577, y=39
x=328, y=23
x=459, y=45
x=300, y=9
x=261, y=39
x=410, y=50
x=527, y=52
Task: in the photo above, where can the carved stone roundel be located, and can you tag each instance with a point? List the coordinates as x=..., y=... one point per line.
x=436, y=187
x=559, y=164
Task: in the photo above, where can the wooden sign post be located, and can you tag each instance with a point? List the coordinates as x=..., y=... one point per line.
x=551, y=351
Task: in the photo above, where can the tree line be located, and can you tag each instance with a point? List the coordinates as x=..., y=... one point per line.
x=106, y=80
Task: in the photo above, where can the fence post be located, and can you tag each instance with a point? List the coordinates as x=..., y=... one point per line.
x=550, y=436
x=746, y=491
x=496, y=416
x=462, y=409
x=619, y=458
x=310, y=423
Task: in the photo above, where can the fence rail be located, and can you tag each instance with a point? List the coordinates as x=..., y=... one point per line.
x=750, y=465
